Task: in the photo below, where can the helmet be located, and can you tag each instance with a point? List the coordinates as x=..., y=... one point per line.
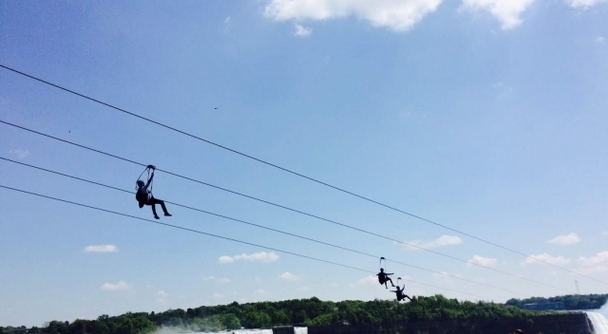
x=140, y=183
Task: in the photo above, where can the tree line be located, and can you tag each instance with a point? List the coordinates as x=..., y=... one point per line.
x=571, y=302
x=301, y=312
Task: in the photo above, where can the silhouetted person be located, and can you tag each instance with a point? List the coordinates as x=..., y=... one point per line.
x=144, y=196
x=400, y=294
x=383, y=278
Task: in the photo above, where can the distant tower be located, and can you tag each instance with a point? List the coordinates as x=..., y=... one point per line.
x=578, y=291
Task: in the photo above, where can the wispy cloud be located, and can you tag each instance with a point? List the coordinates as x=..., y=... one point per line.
x=395, y=15
x=287, y=276
x=101, y=249
x=444, y=277
x=481, y=261
x=263, y=257
x=546, y=258
x=225, y=259
x=597, y=263
x=565, y=240
x=598, y=258
x=584, y=3
x=260, y=292
x=369, y=280
x=120, y=286
x=507, y=11
x=19, y=153
x=442, y=241
x=218, y=280
x=161, y=297
x=302, y=31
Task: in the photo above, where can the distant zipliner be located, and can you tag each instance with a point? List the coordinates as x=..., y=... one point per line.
x=400, y=291
x=144, y=193
x=382, y=276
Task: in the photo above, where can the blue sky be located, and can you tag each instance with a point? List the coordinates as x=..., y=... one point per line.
x=484, y=116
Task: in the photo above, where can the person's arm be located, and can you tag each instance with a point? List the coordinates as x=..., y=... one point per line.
x=153, y=168
x=150, y=179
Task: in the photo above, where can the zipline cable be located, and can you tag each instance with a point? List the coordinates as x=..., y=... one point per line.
x=278, y=205
x=286, y=233
x=294, y=172
x=214, y=235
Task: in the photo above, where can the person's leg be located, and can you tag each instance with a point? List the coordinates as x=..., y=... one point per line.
x=162, y=205
x=154, y=201
x=153, y=204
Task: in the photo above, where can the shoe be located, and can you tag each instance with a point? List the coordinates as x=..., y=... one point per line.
x=156, y=217
x=168, y=214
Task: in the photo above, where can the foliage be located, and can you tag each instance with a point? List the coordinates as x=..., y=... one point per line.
x=571, y=302
x=308, y=312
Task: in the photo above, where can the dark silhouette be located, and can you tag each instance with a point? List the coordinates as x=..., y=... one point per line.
x=145, y=197
x=400, y=294
x=383, y=278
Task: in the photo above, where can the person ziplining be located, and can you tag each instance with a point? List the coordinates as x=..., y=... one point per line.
x=400, y=294
x=382, y=276
x=144, y=193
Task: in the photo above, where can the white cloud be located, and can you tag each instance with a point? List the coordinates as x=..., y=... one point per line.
x=565, y=240
x=101, y=249
x=592, y=270
x=398, y=15
x=225, y=259
x=482, y=261
x=162, y=294
x=302, y=31
x=19, y=153
x=287, y=276
x=444, y=277
x=369, y=280
x=599, y=258
x=258, y=257
x=260, y=292
x=218, y=280
x=120, y=286
x=507, y=11
x=442, y=241
x=546, y=258
x=584, y=3
x=227, y=24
